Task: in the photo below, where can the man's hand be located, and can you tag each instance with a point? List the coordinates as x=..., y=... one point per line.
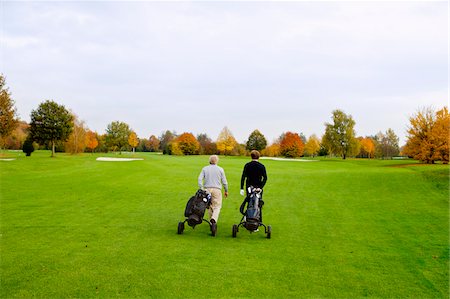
x=226, y=194
x=242, y=192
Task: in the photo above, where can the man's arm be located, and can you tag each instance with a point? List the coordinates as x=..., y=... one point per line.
x=264, y=175
x=200, y=179
x=223, y=179
x=243, y=176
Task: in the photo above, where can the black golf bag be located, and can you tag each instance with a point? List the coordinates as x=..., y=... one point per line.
x=196, y=206
x=254, y=204
x=252, y=215
x=195, y=210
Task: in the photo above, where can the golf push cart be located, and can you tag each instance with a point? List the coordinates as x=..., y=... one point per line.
x=251, y=218
x=195, y=210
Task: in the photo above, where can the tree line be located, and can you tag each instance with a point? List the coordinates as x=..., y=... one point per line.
x=54, y=127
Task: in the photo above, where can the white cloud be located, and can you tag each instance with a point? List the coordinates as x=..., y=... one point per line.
x=155, y=64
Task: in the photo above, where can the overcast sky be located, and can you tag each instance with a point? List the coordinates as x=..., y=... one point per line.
x=199, y=66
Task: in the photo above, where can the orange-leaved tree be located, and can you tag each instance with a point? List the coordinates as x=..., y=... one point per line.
x=367, y=147
x=291, y=145
x=91, y=140
x=133, y=141
x=188, y=144
x=152, y=145
x=440, y=135
x=428, y=135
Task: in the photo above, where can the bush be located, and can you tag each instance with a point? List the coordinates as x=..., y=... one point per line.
x=28, y=146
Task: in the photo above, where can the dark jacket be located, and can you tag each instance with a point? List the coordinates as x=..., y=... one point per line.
x=254, y=174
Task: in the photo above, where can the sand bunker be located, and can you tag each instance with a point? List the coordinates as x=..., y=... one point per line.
x=109, y=159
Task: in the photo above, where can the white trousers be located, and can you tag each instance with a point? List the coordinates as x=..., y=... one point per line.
x=216, y=203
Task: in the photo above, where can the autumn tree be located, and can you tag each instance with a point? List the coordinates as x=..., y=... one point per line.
x=91, y=140
x=8, y=112
x=117, y=135
x=272, y=150
x=312, y=146
x=256, y=141
x=133, y=140
x=291, y=145
x=166, y=138
x=226, y=142
x=428, y=135
x=339, y=136
x=367, y=147
x=386, y=144
x=188, y=144
x=207, y=146
x=51, y=122
x=152, y=145
x=76, y=143
x=17, y=137
x=174, y=149
x=440, y=135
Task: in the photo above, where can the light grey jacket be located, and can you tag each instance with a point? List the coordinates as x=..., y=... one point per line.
x=213, y=176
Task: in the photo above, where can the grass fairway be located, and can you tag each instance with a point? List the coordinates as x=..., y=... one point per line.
x=73, y=227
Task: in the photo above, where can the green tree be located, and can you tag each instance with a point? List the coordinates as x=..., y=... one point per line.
x=256, y=141
x=117, y=135
x=8, y=116
x=386, y=144
x=28, y=146
x=339, y=136
x=51, y=122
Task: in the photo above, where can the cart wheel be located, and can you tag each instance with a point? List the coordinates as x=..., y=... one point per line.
x=213, y=229
x=269, y=231
x=180, y=227
x=235, y=230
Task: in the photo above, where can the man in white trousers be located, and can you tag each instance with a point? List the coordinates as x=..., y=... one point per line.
x=212, y=178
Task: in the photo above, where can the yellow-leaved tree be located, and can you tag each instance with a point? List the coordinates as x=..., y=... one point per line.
x=428, y=136
x=226, y=142
x=76, y=143
x=367, y=147
x=133, y=140
x=312, y=146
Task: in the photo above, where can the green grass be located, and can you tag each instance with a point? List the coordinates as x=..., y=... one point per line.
x=72, y=227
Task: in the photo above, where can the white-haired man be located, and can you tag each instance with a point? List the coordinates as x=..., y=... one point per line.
x=212, y=178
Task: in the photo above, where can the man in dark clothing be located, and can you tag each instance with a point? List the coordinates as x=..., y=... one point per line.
x=254, y=173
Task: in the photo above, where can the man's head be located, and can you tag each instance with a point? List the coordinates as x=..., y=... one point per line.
x=255, y=154
x=213, y=159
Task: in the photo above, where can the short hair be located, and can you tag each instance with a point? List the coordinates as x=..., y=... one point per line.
x=255, y=154
x=213, y=159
